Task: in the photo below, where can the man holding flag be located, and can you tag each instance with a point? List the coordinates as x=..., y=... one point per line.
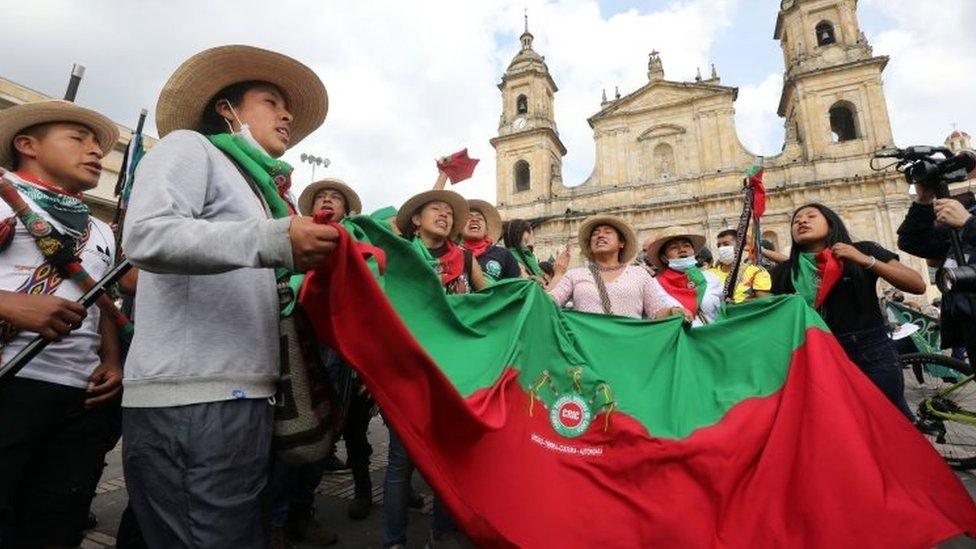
x=208, y=225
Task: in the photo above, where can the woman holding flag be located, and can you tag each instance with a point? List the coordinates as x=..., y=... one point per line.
x=698, y=292
x=839, y=278
x=609, y=284
x=479, y=235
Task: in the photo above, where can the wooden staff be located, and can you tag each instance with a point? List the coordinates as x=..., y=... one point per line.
x=740, y=240
x=94, y=295
x=58, y=250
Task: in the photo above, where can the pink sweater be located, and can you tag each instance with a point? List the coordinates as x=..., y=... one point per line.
x=634, y=293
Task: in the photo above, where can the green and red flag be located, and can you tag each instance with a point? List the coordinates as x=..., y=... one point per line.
x=539, y=427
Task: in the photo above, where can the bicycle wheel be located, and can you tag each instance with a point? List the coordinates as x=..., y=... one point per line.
x=939, y=390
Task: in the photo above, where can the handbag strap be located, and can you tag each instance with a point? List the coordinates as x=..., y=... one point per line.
x=601, y=289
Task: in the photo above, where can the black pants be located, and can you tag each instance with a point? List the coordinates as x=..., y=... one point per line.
x=874, y=353
x=51, y=455
x=358, y=450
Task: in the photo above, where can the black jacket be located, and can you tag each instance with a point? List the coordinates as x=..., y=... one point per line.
x=921, y=236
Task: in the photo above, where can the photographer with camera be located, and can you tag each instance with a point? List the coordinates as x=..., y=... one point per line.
x=929, y=230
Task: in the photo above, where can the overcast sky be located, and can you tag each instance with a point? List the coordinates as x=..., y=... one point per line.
x=410, y=81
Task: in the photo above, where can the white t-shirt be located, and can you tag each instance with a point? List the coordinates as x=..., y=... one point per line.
x=71, y=360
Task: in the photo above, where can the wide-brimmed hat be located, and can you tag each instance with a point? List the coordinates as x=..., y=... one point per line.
x=626, y=233
x=668, y=234
x=492, y=218
x=307, y=198
x=415, y=203
x=189, y=90
x=18, y=118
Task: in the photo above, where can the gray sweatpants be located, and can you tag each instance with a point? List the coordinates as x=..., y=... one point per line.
x=195, y=473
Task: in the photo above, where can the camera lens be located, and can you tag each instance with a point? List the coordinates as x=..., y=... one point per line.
x=962, y=279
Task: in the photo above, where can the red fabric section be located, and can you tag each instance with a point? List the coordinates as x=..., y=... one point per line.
x=676, y=284
x=457, y=166
x=830, y=269
x=758, y=194
x=825, y=462
x=451, y=263
x=477, y=247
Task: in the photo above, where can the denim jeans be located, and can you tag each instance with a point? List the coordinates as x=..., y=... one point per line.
x=396, y=496
x=874, y=353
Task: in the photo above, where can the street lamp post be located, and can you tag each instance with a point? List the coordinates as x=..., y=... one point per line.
x=315, y=161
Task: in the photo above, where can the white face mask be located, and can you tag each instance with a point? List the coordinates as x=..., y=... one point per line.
x=725, y=254
x=245, y=132
x=682, y=264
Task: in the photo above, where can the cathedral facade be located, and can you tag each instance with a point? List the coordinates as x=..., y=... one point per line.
x=668, y=153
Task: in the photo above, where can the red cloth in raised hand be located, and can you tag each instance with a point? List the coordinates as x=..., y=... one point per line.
x=458, y=166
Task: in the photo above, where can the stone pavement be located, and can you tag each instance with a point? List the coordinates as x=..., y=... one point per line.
x=333, y=495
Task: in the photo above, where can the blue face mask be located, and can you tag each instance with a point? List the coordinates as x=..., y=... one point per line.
x=682, y=264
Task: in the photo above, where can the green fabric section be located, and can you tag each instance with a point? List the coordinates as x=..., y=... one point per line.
x=671, y=378
x=527, y=259
x=383, y=214
x=806, y=279
x=263, y=169
x=418, y=246
x=259, y=166
x=701, y=285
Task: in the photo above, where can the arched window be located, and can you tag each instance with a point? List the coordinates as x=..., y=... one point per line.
x=522, y=104
x=772, y=238
x=843, y=122
x=522, y=176
x=664, y=160
x=825, y=33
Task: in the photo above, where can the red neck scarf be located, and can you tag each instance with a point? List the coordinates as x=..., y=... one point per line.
x=677, y=285
x=477, y=247
x=449, y=266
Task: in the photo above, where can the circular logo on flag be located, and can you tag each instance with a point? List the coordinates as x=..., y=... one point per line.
x=570, y=415
x=493, y=268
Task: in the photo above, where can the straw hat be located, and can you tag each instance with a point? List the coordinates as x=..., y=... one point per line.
x=626, y=232
x=191, y=87
x=668, y=234
x=307, y=198
x=415, y=203
x=492, y=218
x=20, y=117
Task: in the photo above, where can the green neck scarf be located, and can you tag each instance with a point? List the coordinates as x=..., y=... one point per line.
x=424, y=252
x=701, y=285
x=525, y=256
x=806, y=277
x=266, y=171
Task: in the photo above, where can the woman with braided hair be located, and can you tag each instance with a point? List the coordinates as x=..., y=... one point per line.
x=609, y=284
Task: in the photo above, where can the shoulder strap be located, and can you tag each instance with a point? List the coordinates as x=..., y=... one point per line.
x=601, y=289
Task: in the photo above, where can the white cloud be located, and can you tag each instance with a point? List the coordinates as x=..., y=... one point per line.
x=760, y=128
x=931, y=73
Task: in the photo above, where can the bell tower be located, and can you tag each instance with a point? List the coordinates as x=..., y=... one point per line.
x=528, y=150
x=833, y=100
